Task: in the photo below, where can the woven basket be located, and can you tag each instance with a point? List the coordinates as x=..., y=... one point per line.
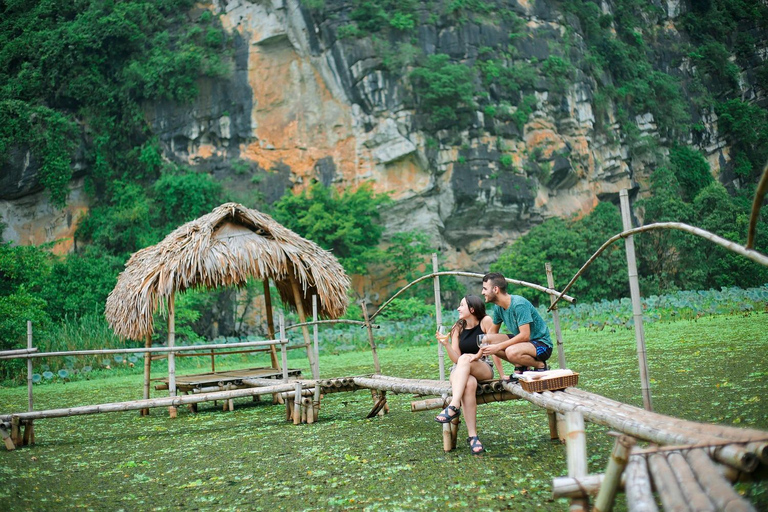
x=551, y=384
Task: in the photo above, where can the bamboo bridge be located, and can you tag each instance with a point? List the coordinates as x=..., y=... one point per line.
x=689, y=465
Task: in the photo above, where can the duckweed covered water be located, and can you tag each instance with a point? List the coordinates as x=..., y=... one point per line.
x=714, y=370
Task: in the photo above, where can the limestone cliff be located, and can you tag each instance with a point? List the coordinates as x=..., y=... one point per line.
x=303, y=104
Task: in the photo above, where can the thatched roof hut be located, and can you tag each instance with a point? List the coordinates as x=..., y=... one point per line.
x=225, y=248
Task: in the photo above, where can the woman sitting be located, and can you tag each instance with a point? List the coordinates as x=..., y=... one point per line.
x=462, y=346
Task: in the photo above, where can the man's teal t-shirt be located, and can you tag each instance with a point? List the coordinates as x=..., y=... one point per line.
x=522, y=312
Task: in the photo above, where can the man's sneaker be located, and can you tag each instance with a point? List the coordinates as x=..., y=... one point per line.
x=542, y=369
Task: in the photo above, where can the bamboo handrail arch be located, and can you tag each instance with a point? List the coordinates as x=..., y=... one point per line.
x=544, y=289
x=757, y=203
x=751, y=254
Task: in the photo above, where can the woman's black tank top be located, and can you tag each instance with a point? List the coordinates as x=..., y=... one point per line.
x=468, y=340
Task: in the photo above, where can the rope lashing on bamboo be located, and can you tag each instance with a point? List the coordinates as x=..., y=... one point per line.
x=751, y=254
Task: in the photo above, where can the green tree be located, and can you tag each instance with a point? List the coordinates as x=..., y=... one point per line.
x=345, y=223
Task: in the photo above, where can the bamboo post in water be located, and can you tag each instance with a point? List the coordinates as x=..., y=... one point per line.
x=147, y=371
x=576, y=450
x=172, y=355
x=371, y=341
x=283, y=351
x=555, y=318
x=637, y=486
x=270, y=322
x=438, y=316
x=637, y=307
x=29, y=432
x=297, y=404
x=612, y=480
x=297, y=296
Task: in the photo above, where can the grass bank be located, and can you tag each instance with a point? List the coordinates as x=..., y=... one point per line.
x=712, y=369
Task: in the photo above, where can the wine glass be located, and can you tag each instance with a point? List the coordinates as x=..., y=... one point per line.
x=441, y=330
x=482, y=340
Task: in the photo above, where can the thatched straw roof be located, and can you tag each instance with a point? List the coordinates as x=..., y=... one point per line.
x=224, y=248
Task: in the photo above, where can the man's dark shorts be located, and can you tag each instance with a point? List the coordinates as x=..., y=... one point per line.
x=543, y=351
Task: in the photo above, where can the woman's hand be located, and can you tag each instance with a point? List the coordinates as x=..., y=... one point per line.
x=442, y=338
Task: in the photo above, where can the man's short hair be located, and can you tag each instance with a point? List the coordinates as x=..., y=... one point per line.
x=496, y=279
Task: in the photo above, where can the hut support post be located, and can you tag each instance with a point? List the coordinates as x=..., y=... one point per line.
x=315, y=336
x=552, y=417
x=283, y=351
x=438, y=316
x=297, y=404
x=637, y=308
x=612, y=480
x=371, y=341
x=147, y=370
x=555, y=317
x=297, y=295
x=576, y=450
x=29, y=432
x=270, y=322
x=172, y=355
x=316, y=396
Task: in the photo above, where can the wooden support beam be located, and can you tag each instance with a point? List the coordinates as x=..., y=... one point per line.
x=9, y=444
x=576, y=487
x=576, y=454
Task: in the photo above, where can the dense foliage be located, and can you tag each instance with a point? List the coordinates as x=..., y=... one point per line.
x=344, y=223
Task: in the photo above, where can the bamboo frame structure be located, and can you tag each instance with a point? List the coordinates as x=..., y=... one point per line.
x=555, y=318
x=438, y=316
x=576, y=454
x=637, y=486
x=757, y=203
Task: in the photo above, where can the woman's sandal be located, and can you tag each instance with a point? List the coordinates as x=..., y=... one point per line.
x=446, y=417
x=474, y=442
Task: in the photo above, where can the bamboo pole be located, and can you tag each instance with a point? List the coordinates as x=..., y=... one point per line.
x=270, y=322
x=447, y=437
x=616, y=465
x=694, y=495
x=666, y=485
x=403, y=386
x=371, y=341
x=555, y=318
x=315, y=334
x=29, y=429
x=441, y=403
x=172, y=355
x=576, y=454
x=147, y=372
x=570, y=487
x=637, y=486
x=560, y=295
x=181, y=348
x=724, y=431
x=552, y=419
x=297, y=404
x=719, y=491
x=297, y=296
x=438, y=316
x=170, y=401
x=283, y=351
x=18, y=352
x=757, y=203
x=637, y=306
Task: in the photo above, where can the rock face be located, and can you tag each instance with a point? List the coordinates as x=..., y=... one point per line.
x=303, y=104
